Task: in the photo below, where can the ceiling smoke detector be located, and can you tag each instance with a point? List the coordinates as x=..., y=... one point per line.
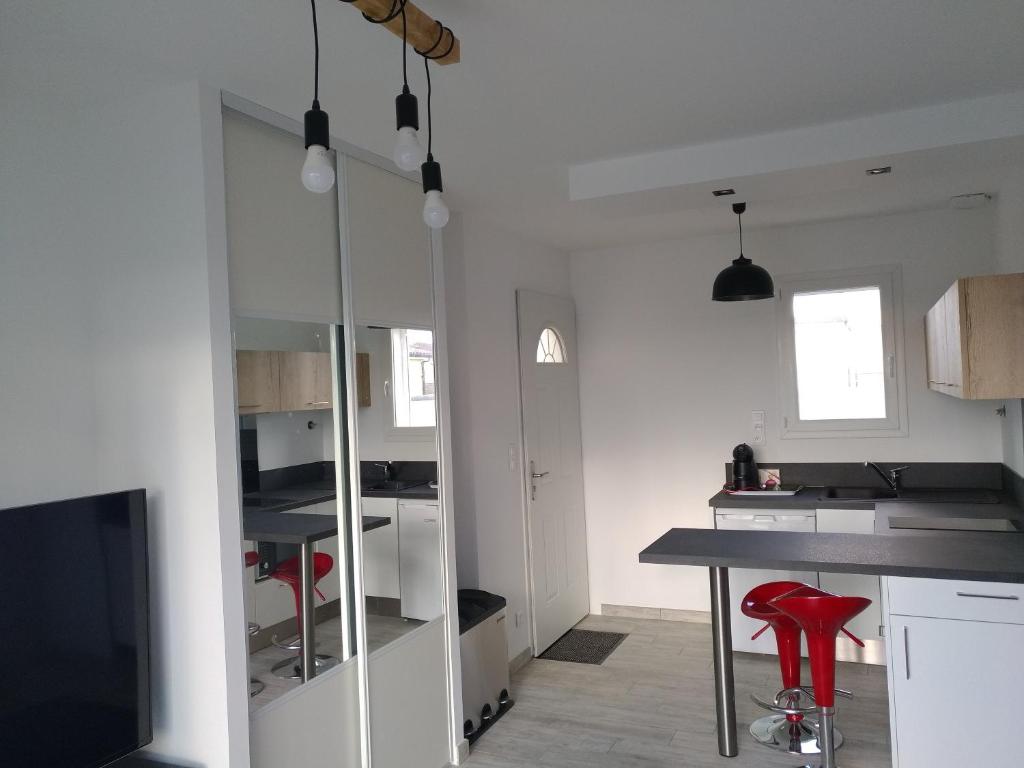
x=966, y=202
x=723, y=192
x=879, y=171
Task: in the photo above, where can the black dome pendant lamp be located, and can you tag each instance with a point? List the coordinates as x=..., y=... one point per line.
x=744, y=280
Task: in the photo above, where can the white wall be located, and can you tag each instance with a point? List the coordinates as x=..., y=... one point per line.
x=1010, y=250
x=285, y=440
x=669, y=378
x=483, y=268
x=115, y=306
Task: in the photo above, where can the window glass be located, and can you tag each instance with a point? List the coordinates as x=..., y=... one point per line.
x=549, y=347
x=840, y=360
x=412, y=353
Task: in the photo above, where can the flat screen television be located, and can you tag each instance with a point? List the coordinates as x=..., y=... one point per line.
x=74, y=632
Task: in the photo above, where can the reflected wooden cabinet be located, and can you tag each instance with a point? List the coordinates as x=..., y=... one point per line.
x=269, y=382
x=259, y=381
x=974, y=341
x=305, y=381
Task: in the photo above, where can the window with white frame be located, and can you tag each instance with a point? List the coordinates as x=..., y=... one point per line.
x=841, y=338
x=412, y=379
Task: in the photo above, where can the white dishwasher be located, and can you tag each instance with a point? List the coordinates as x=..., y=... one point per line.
x=742, y=580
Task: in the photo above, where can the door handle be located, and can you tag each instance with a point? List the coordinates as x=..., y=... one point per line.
x=906, y=649
x=987, y=597
x=537, y=475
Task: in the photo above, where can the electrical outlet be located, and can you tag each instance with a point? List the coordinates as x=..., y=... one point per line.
x=763, y=475
x=757, y=427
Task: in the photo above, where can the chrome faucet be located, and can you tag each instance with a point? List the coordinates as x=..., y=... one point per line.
x=386, y=468
x=893, y=478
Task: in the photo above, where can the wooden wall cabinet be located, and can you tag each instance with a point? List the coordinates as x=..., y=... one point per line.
x=975, y=339
x=270, y=382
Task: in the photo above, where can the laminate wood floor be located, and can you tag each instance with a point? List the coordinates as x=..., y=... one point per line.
x=651, y=704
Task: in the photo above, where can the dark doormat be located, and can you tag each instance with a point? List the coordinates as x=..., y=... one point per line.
x=584, y=646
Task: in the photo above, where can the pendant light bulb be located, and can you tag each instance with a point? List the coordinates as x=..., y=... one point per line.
x=317, y=171
x=409, y=154
x=435, y=212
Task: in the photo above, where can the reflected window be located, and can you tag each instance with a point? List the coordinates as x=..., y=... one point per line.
x=412, y=360
x=550, y=348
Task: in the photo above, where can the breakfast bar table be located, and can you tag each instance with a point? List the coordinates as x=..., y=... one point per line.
x=304, y=530
x=968, y=556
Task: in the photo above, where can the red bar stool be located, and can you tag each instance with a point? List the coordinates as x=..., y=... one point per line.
x=287, y=571
x=256, y=687
x=786, y=731
x=821, y=616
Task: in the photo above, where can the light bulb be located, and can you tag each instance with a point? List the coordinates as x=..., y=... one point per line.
x=408, y=154
x=435, y=212
x=317, y=171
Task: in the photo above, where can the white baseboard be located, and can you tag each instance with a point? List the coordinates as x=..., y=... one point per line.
x=661, y=614
x=520, y=661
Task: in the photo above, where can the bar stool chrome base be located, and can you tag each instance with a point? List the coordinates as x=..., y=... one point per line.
x=256, y=687
x=801, y=738
x=291, y=668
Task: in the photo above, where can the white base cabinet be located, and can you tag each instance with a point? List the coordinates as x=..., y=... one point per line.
x=381, y=576
x=954, y=678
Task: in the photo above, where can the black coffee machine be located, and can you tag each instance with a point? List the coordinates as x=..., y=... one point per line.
x=744, y=469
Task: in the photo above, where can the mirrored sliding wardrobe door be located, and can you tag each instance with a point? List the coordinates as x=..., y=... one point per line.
x=392, y=297
x=290, y=358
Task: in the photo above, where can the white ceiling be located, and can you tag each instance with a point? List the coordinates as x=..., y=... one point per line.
x=546, y=84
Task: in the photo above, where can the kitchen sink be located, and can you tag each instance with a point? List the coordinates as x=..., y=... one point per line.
x=857, y=494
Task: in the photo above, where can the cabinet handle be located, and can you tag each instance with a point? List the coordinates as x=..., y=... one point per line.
x=258, y=405
x=320, y=402
x=987, y=597
x=430, y=520
x=906, y=649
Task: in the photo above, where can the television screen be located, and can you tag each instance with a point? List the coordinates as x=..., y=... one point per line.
x=74, y=629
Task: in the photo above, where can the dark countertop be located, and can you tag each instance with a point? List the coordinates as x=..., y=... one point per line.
x=922, y=554
x=307, y=494
x=297, y=527
x=419, y=492
x=810, y=497
x=973, y=555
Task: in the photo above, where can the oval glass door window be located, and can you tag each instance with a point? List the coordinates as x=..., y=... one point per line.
x=550, y=348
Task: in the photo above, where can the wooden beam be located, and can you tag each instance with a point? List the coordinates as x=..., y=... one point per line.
x=422, y=30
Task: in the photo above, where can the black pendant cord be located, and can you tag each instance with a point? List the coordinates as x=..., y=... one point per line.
x=397, y=7
x=430, y=117
x=316, y=57
x=405, y=46
x=429, y=52
x=740, y=217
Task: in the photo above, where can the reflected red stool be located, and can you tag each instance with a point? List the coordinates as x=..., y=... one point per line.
x=821, y=616
x=287, y=571
x=256, y=687
x=788, y=732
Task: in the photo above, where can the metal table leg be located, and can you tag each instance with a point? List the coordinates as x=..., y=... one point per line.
x=725, y=687
x=307, y=619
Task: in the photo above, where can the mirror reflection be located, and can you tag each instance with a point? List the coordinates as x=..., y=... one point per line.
x=294, y=568
x=398, y=472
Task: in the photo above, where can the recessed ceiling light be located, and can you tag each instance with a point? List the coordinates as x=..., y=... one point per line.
x=881, y=170
x=723, y=192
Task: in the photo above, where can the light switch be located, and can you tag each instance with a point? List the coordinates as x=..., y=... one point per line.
x=757, y=427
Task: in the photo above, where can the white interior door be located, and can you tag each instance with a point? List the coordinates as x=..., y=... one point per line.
x=553, y=466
